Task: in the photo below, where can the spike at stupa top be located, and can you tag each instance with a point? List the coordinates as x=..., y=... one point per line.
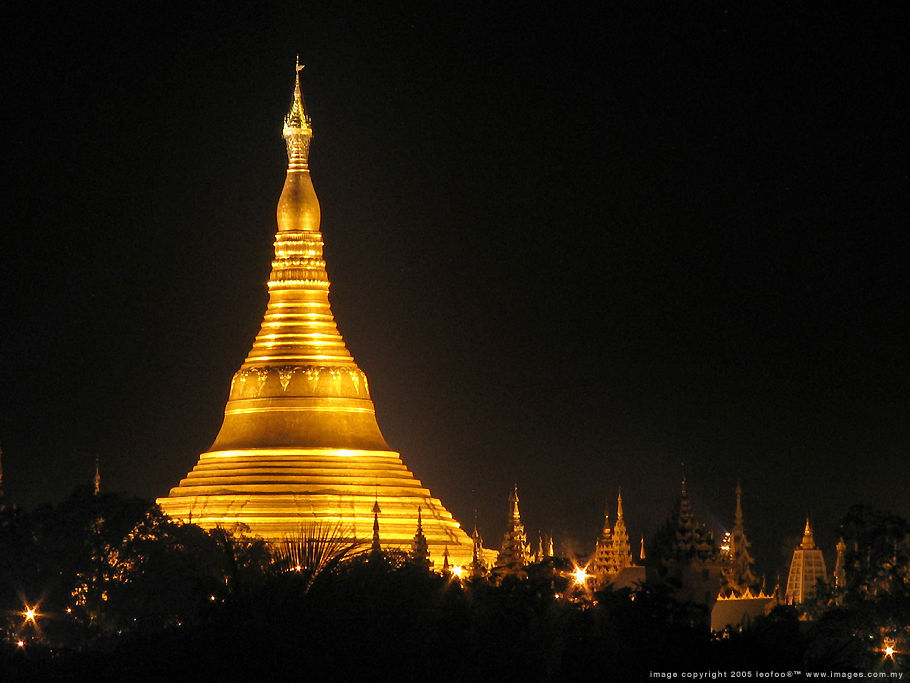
x=297, y=130
x=808, y=539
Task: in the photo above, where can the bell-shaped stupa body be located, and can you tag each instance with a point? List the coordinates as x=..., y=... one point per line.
x=300, y=442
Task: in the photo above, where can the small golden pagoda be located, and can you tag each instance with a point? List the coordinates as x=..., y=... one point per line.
x=300, y=442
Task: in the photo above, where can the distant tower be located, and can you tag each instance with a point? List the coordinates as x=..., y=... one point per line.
x=300, y=433
x=622, y=552
x=419, y=551
x=603, y=550
x=478, y=566
x=738, y=573
x=612, y=552
x=685, y=552
x=374, y=546
x=807, y=568
x=514, y=553
x=840, y=566
x=97, y=479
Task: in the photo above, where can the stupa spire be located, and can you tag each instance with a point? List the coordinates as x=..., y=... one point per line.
x=375, y=547
x=514, y=552
x=621, y=551
x=808, y=541
x=300, y=432
x=297, y=130
x=419, y=550
x=738, y=573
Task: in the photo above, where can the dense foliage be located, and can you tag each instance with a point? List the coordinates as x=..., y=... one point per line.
x=120, y=590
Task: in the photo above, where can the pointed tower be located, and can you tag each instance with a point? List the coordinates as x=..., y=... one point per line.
x=419, y=552
x=300, y=439
x=375, y=546
x=478, y=566
x=514, y=553
x=603, y=551
x=684, y=552
x=807, y=568
x=621, y=550
x=738, y=574
x=604, y=544
x=840, y=565
x=96, y=481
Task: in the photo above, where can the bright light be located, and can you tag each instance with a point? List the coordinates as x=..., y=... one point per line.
x=457, y=571
x=20, y=643
x=30, y=614
x=581, y=576
x=889, y=651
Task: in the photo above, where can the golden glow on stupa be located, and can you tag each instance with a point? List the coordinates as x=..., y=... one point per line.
x=300, y=442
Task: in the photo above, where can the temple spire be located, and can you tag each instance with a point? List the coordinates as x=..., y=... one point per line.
x=96, y=481
x=807, y=568
x=478, y=566
x=808, y=538
x=297, y=131
x=620, y=550
x=420, y=552
x=514, y=552
x=375, y=548
x=840, y=565
x=738, y=573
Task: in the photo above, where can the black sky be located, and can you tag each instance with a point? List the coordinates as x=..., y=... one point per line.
x=569, y=250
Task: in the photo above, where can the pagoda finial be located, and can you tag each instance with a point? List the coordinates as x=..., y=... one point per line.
x=619, y=506
x=514, y=514
x=808, y=537
x=297, y=131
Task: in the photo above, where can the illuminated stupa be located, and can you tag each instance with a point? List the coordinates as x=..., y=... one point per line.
x=300, y=442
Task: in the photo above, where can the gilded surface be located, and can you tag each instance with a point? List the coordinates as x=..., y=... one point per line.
x=300, y=439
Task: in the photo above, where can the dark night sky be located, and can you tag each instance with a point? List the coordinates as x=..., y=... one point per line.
x=570, y=251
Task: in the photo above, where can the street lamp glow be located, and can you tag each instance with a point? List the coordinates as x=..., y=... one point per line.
x=457, y=571
x=581, y=576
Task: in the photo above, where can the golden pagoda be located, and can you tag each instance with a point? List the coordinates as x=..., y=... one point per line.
x=300, y=442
